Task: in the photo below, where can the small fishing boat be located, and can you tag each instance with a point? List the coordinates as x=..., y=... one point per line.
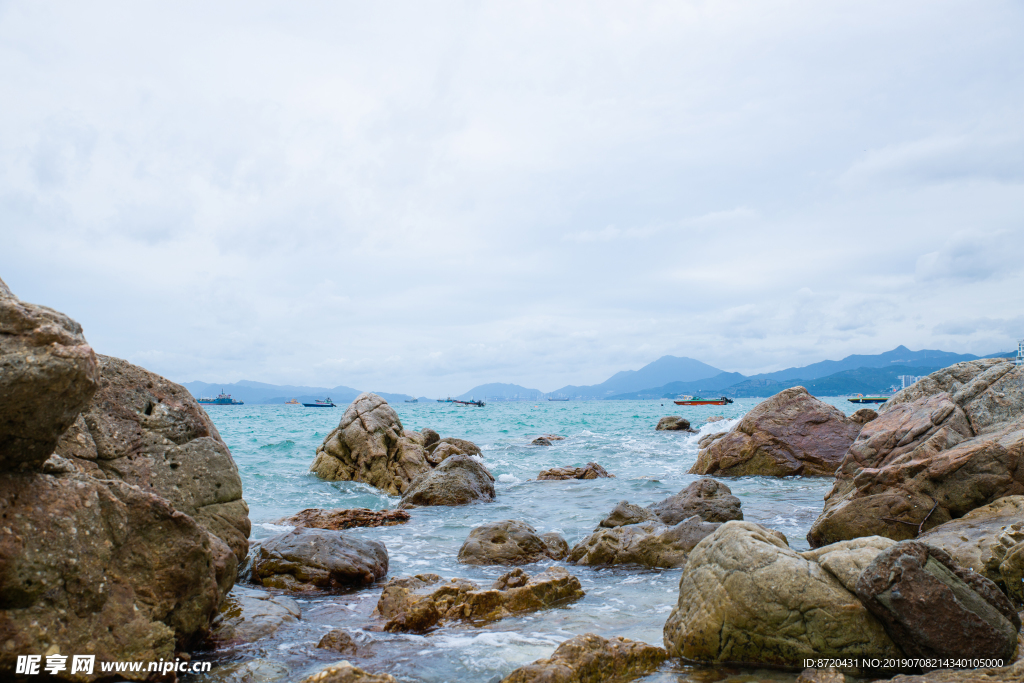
x=861, y=398
x=326, y=403
x=558, y=399
x=293, y=402
x=478, y=404
x=446, y=400
x=412, y=400
x=698, y=401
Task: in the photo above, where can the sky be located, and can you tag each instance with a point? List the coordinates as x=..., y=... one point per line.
x=422, y=197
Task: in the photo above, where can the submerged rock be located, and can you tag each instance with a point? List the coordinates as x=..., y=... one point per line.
x=340, y=640
x=509, y=542
x=249, y=671
x=337, y=520
x=249, y=615
x=541, y=441
x=458, y=480
x=305, y=559
x=590, y=471
x=675, y=423
x=931, y=457
x=711, y=500
x=791, y=433
x=343, y=672
x=558, y=547
x=935, y=609
x=651, y=544
x=421, y=602
x=592, y=659
x=745, y=597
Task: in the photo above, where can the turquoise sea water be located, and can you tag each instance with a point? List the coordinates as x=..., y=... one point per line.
x=274, y=446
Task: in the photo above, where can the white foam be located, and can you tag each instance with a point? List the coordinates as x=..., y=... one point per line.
x=509, y=479
x=275, y=527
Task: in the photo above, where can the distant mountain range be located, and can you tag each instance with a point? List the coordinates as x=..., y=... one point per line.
x=667, y=377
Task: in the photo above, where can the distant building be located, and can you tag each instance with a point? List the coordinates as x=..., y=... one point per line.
x=907, y=380
x=1019, y=360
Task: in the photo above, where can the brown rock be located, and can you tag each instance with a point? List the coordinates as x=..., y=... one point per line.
x=791, y=433
x=711, y=500
x=1005, y=674
x=592, y=659
x=459, y=480
x=337, y=520
x=558, y=547
x=340, y=640
x=651, y=544
x=591, y=471
x=48, y=373
x=442, y=451
x=430, y=437
x=708, y=439
x=829, y=675
x=863, y=416
x=507, y=542
x=249, y=615
x=675, y=423
x=343, y=672
x=305, y=559
x=540, y=441
x=461, y=445
x=934, y=608
x=418, y=603
x=626, y=513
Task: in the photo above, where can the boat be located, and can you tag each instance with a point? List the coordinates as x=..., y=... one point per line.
x=478, y=404
x=558, y=399
x=293, y=402
x=412, y=400
x=326, y=403
x=446, y=400
x=861, y=398
x=221, y=400
x=698, y=401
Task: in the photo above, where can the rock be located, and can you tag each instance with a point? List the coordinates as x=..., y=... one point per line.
x=553, y=437
x=846, y=560
x=343, y=672
x=48, y=373
x=591, y=471
x=430, y=437
x=458, y=480
x=305, y=559
x=714, y=418
x=340, y=640
x=104, y=568
x=441, y=452
x=1006, y=674
x=461, y=445
x=651, y=544
x=147, y=431
x=829, y=675
x=505, y=542
x=708, y=439
x=415, y=604
x=558, y=547
x=540, y=441
x=317, y=518
x=930, y=458
x=746, y=598
x=988, y=540
x=711, y=500
x=589, y=659
x=934, y=608
x=250, y=671
x=249, y=615
x=791, y=433
x=675, y=423
x=863, y=416
x=626, y=513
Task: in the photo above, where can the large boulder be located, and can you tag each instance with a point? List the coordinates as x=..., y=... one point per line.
x=934, y=608
x=370, y=445
x=746, y=597
x=930, y=458
x=249, y=614
x=589, y=471
x=791, y=433
x=459, y=480
x=711, y=500
x=48, y=373
x=147, y=431
x=419, y=603
x=337, y=520
x=590, y=659
x=507, y=542
x=650, y=544
x=305, y=559
x=988, y=540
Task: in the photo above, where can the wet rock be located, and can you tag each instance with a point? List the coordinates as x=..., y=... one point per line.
x=626, y=513
x=746, y=597
x=251, y=671
x=458, y=480
x=145, y=430
x=930, y=458
x=553, y=437
x=829, y=675
x=863, y=416
x=540, y=441
x=317, y=518
x=651, y=544
x=247, y=615
x=305, y=559
x=369, y=445
x=988, y=540
x=846, y=560
x=558, y=547
x=708, y=439
x=590, y=471
x=590, y=659
x=791, y=433
x=934, y=608
x=422, y=602
x=441, y=452
x=714, y=418
x=1006, y=674
x=340, y=640
x=48, y=373
x=461, y=445
x=675, y=423
x=104, y=568
x=506, y=542
x=711, y=500
x=343, y=672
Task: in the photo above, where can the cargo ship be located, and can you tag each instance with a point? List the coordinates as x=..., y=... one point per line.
x=326, y=403
x=698, y=401
x=860, y=398
x=221, y=400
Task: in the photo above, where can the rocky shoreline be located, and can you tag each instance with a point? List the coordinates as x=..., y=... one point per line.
x=125, y=530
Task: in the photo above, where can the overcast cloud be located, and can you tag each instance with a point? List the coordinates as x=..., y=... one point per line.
x=421, y=197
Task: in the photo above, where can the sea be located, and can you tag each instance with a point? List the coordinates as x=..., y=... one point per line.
x=274, y=446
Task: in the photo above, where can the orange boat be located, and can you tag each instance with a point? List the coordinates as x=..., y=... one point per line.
x=698, y=401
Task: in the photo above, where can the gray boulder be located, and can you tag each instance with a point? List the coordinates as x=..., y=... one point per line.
x=508, y=542
x=457, y=481
x=710, y=499
x=249, y=615
x=651, y=544
x=304, y=559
